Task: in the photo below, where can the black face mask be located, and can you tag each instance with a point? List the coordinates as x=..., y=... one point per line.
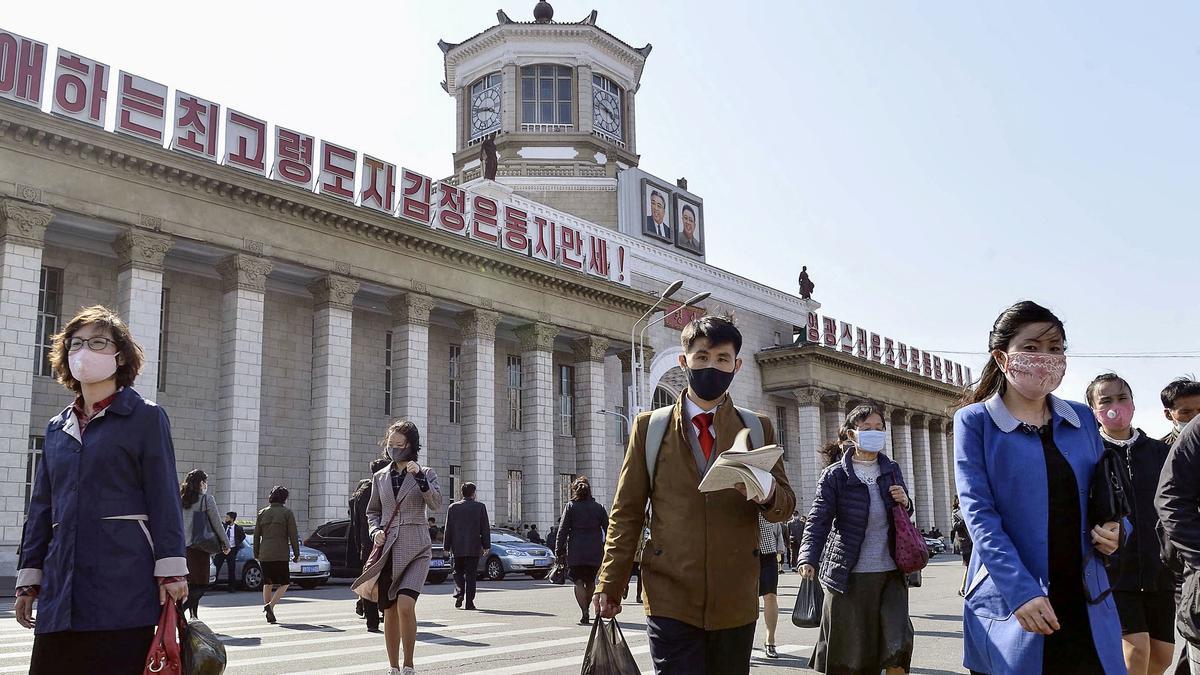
x=402, y=456
x=709, y=383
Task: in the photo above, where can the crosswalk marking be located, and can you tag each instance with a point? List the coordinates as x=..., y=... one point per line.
x=358, y=636
x=556, y=664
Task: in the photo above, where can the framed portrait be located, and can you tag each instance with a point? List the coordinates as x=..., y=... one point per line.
x=689, y=216
x=657, y=220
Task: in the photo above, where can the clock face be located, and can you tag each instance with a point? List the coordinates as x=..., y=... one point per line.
x=606, y=112
x=485, y=111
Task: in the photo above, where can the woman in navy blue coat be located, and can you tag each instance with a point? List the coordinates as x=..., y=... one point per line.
x=850, y=536
x=103, y=546
x=1023, y=460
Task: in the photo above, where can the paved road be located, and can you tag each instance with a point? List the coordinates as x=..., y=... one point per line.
x=522, y=627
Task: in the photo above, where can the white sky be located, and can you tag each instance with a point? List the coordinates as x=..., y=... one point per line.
x=930, y=162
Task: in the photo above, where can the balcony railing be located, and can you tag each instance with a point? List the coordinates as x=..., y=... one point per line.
x=548, y=128
x=608, y=137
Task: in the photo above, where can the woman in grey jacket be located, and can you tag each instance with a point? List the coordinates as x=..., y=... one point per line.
x=199, y=511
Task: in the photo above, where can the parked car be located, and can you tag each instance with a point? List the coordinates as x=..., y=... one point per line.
x=313, y=569
x=935, y=545
x=513, y=554
x=330, y=539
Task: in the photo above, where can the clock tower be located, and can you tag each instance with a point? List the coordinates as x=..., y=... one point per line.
x=557, y=98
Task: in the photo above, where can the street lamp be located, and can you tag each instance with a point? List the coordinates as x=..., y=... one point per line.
x=625, y=418
x=635, y=360
x=695, y=299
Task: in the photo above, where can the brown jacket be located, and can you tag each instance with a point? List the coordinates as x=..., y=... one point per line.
x=700, y=563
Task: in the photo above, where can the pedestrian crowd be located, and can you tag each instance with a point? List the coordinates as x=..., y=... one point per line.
x=1079, y=534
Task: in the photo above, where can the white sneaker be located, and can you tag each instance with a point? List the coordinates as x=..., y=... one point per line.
x=392, y=671
x=408, y=670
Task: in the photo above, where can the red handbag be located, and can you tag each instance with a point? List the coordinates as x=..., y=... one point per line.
x=165, y=657
x=908, y=546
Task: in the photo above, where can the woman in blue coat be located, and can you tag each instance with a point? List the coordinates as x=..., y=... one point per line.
x=1036, y=590
x=103, y=546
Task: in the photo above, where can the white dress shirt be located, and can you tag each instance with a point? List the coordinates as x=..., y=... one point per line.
x=690, y=410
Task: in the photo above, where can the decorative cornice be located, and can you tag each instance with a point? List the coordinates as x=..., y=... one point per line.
x=537, y=337
x=244, y=272
x=23, y=223
x=904, y=414
x=148, y=165
x=332, y=290
x=411, y=308
x=590, y=348
x=478, y=323
x=851, y=364
x=139, y=249
x=626, y=357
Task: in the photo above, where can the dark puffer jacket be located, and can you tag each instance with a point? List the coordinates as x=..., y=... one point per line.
x=837, y=523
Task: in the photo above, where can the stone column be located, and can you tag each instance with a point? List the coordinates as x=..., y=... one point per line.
x=243, y=286
x=329, y=452
x=410, y=359
x=139, y=297
x=537, y=421
x=941, y=480
x=921, y=484
x=477, y=369
x=832, y=415
x=902, y=443
x=590, y=425
x=22, y=233
x=510, y=107
x=808, y=443
x=584, y=125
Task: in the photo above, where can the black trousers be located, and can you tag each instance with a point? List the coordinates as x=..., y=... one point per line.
x=793, y=554
x=678, y=648
x=113, y=652
x=223, y=558
x=464, y=577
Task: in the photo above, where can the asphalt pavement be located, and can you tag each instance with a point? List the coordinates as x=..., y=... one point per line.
x=522, y=626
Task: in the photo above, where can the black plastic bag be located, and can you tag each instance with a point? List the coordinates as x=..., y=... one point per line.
x=809, y=597
x=913, y=579
x=203, y=651
x=607, y=652
x=558, y=574
x=1187, y=617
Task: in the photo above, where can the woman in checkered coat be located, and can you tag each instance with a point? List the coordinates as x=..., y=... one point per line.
x=406, y=489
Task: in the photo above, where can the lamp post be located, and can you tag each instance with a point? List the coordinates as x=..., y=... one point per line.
x=635, y=359
x=695, y=299
x=624, y=418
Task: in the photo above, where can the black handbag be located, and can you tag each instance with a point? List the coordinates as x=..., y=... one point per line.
x=203, y=651
x=809, y=598
x=203, y=536
x=607, y=652
x=558, y=574
x=1110, y=491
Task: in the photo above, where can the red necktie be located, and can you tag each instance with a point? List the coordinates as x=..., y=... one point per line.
x=703, y=421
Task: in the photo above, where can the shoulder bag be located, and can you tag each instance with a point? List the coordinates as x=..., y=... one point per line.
x=203, y=536
x=367, y=584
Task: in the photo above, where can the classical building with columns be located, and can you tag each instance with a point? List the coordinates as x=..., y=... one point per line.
x=285, y=327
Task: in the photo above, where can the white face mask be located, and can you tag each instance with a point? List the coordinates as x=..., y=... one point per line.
x=90, y=367
x=1178, y=425
x=871, y=440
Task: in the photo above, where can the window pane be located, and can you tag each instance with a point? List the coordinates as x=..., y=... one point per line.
x=527, y=70
x=547, y=114
x=564, y=113
x=528, y=93
x=596, y=80
x=564, y=71
x=529, y=113
x=546, y=89
x=564, y=90
x=546, y=71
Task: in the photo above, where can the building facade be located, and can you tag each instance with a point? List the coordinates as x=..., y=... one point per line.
x=285, y=324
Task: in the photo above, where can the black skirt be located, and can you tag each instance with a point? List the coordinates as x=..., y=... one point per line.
x=276, y=572
x=112, y=652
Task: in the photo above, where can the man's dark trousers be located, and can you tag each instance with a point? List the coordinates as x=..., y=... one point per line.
x=222, y=558
x=464, y=578
x=677, y=648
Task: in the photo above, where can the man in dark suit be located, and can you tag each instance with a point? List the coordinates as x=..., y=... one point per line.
x=468, y=536
x=358, y=540
x=236, y=538
x=657, y=222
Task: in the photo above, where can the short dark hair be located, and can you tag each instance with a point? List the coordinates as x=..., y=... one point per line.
x=279, y=495
x=232, y=514
x=687, y=208
x=656, y=193
x=581, y=490
x=1177, y=389
x=468, y=490
x=433, y=519
x=1104, y=378
x=718, y=329
x=379, y=463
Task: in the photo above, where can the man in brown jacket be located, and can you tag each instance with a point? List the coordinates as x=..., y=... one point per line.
x=700, y=563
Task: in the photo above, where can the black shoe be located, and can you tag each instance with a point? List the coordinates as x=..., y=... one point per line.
x=270, y=613
x=471, y=606
x=585, y=620
x=358, y=608
x=373, y=628
x=458, y=601
x=771, y=653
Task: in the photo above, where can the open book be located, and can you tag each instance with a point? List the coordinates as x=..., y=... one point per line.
x=741, y=464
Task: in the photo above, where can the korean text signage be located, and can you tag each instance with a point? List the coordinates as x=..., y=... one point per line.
x=829, y=332
x=82, y=87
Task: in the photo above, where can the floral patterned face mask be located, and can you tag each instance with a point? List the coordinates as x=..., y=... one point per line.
x=1034, y=374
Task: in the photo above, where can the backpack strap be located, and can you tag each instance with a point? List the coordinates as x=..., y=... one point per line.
x=659, y=419
x=750, y=421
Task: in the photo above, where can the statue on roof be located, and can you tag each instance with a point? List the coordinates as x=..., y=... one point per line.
x=806, y=284
x=487, y=157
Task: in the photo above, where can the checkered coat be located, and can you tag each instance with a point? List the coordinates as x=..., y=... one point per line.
x=407, y=539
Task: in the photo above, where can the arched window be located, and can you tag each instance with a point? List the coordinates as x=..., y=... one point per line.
x=607, y=107
x=663, y=397
x=485, y=100
x=546, y=98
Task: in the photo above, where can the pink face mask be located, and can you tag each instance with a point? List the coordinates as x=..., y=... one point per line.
x=1035, y=374
x=90, y=367
x=1115, y=416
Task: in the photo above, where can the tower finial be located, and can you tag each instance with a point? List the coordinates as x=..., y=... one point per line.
x=543, y=12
